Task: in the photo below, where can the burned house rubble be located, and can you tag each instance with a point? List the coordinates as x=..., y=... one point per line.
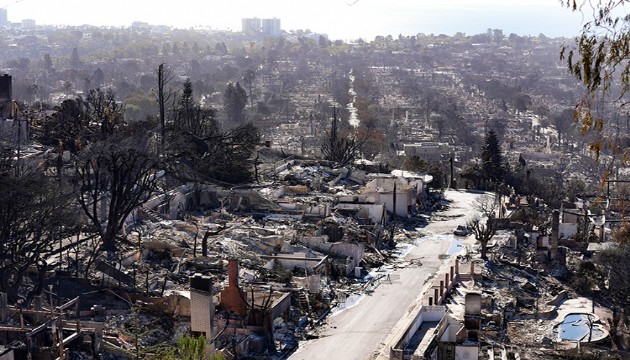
x=258, y=271
x=253, y=270
x=517, y=304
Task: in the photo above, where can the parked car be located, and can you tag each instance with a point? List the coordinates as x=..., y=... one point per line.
x=461, y=230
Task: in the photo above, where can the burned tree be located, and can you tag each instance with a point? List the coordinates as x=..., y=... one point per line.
x=104, y=110
x=78, y=121
x=199, y=150
x=164, y=78
x=483, y=233
x=114, y=177
x=68, y=126
x=340, y=146
x=35, y=214
x=484, y=230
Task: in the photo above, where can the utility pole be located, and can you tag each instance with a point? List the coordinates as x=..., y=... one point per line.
x=161, y=102
x=391, y=233
x=450, y=184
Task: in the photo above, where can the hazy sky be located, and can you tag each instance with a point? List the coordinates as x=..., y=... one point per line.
x=340, y=19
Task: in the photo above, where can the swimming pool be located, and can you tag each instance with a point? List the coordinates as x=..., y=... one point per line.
x=579, y=327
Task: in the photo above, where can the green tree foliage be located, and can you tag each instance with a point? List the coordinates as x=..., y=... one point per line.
x=98, y=77
x=234, y=101
x=473, y=175
x=599, y=59
x=140, y=105
x=191, y=348
x=48, y=64
x=75, y=61
x=188, y=348
x=492, y=163
x=221, y=47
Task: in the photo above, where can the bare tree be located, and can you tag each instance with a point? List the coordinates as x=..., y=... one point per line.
x=484, y=228
x=487, y=205
x=164, y=78
x=35, y=213
x=483, y=232
x=115, y=177
x=103, y=109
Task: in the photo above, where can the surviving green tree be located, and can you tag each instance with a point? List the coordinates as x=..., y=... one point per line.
x=234, y=101
x=492, y=163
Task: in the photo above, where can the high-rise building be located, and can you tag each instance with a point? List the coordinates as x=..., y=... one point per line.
x=28, y=23
x=271, y=27
x=251, y=25
x=4, y=20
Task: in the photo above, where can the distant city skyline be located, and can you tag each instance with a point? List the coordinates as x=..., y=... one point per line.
x=340, y=19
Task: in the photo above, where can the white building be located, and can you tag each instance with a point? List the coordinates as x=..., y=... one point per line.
x=271, y=27
x=28, y=24
x=251, y=25
x=4, y=20
x=429, y=151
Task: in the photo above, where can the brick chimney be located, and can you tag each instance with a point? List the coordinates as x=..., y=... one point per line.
x=232, y=298
x=233, y=272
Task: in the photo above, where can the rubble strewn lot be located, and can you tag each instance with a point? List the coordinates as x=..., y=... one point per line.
x=266, y=271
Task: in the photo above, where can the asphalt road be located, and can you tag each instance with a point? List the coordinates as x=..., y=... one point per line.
x=361, y=331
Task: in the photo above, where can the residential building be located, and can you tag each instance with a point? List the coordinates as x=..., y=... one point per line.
x=429, y=151
x=140, y=26
x=271, y=27
x=28, y=24
x=4, y=20
x=251, y=25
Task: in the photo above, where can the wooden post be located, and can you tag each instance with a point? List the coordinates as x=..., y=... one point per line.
x=147, y=283
x=441, y=288
x=60, y=336
x=435, y=296
x=3, y=308
x=78, y=318
x=29, y=347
